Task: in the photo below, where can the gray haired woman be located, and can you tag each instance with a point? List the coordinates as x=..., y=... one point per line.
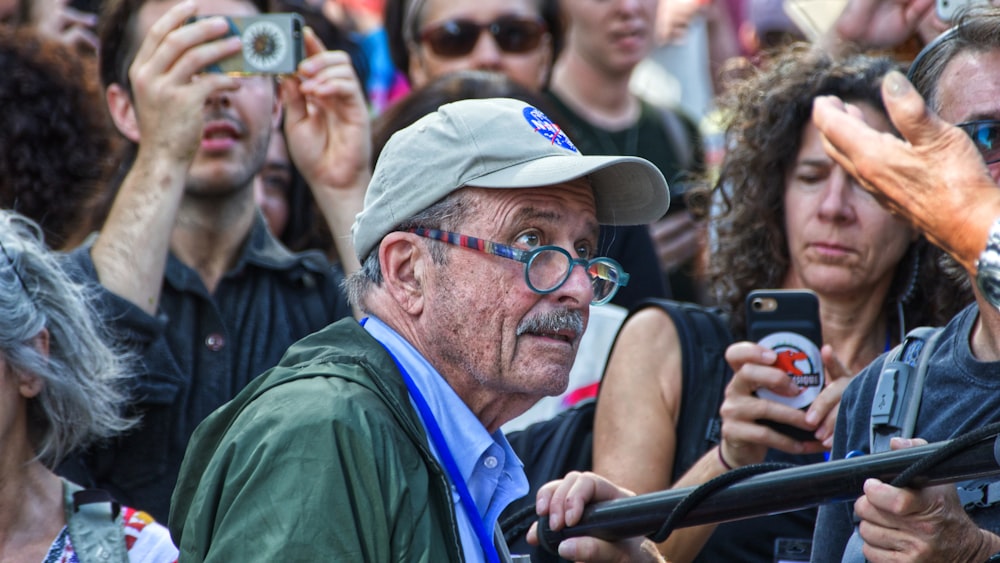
x=58, y=392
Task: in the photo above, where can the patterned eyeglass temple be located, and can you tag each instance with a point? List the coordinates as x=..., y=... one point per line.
x=606, y=275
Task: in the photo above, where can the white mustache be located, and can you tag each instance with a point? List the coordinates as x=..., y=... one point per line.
x=553, y=321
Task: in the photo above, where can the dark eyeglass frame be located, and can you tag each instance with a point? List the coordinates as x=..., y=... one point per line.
x=973, y=128
x=527, y=257
x=455, y=38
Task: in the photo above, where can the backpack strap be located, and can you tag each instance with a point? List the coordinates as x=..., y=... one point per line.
x=95, y=525
x=703, y=336
x=900, y=386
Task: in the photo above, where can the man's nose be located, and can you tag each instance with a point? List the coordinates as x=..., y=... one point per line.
x=578, y=285
x=487, y=55
x=218, y=99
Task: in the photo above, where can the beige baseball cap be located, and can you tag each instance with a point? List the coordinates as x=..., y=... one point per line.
x=497, y=143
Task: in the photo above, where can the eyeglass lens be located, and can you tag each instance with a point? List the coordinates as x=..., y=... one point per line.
x=986, y=135
x=549, y=269
x=456, y=38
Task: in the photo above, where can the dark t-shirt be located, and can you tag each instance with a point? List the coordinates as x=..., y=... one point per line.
x=632, y=246
x=960, y=394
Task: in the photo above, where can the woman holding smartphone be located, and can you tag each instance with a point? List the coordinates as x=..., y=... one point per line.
x=783, y=216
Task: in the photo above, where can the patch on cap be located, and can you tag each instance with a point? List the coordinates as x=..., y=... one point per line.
x=548, y=129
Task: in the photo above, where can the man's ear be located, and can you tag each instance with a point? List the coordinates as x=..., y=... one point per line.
x=30, y=385
x=417, y=73
x=404, y=269
x=122, y=112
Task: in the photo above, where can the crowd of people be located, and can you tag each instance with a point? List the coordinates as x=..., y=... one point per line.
x=260, y=317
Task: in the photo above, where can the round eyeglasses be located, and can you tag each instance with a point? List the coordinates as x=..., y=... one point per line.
x=546, y=268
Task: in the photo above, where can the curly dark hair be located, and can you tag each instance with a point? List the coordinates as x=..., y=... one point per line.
x=56, y=145
x=765, y=116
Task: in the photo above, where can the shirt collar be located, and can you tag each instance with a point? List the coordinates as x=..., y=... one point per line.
x=261, y=249
x=466, y=437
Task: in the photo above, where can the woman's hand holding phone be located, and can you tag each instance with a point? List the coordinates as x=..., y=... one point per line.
x=748, y=421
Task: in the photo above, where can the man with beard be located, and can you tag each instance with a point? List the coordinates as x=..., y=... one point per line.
x=382, y=441
x=193, y=281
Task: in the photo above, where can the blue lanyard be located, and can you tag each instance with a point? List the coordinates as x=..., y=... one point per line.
x=485, y=536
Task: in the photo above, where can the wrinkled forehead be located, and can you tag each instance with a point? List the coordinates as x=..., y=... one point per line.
x=419, y=12
x=968, y=85
x=569, y=205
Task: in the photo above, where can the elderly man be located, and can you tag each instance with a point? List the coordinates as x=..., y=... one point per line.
x=381, y=441
x=940, y=183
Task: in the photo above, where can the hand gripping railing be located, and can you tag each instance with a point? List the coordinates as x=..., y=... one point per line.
x=971, y=456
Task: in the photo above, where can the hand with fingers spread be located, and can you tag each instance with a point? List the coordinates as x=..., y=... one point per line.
x=916, y=177
x=919, y=525
x=168, y=89
x=744, y=439
x=563, y=502
x=329, y=139
x=326, y=119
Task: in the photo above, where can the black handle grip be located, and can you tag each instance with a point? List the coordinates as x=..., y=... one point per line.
x=775, y=492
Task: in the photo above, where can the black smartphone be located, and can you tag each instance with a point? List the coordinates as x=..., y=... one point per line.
x=787, y=321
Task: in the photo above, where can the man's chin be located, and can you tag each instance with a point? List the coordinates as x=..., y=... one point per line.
x=547, y=385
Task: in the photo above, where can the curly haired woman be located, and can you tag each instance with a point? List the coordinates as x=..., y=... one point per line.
x=784, y=216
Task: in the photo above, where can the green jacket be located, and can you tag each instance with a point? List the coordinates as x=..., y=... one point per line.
x=321, y=458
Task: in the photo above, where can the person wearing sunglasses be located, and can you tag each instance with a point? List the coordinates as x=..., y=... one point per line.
x=431, y=38
x=947, y=186
x=381, y=440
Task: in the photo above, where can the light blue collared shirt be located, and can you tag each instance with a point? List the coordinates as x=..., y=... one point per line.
x=492, y=472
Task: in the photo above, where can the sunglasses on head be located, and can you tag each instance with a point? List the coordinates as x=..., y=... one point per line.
x=985, y=134
x=457, y=38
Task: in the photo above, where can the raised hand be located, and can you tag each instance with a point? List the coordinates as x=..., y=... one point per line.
x=168, y=89
x=916, y=176
x=326, y=118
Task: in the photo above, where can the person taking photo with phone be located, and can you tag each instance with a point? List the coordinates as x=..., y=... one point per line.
x=786, y=216
x=193, y=280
